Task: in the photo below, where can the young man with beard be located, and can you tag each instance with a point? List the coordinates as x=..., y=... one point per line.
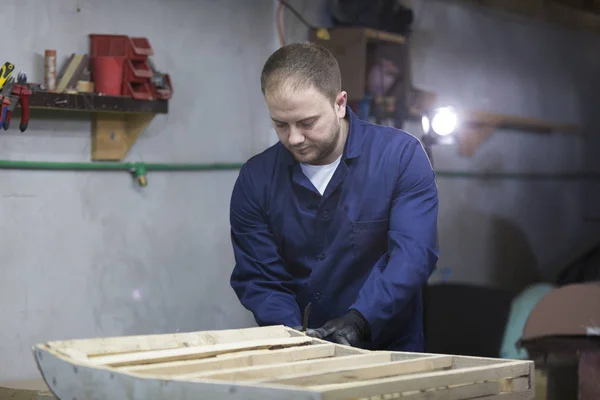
x=340, y=212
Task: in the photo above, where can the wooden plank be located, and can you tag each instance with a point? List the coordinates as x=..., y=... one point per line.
x=351, y=373
x=422, y=381
x=469, y=391
x=190, y=353
x=267, y=373
x=457, y=361
x=124, y=344
x=230, y=361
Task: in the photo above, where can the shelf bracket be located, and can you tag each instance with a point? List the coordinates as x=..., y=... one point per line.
x=113, y=134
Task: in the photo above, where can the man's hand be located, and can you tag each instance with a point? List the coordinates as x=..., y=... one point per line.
x=350, y=329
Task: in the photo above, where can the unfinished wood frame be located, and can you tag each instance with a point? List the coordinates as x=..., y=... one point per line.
x=268, y=363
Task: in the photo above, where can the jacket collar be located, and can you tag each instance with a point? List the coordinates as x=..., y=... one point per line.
x=353, y=146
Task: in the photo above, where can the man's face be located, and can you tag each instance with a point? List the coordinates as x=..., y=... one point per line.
x=307, y=123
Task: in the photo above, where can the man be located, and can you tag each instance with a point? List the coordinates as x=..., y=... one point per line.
x=340, y=212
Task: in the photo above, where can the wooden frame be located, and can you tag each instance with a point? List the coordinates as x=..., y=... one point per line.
x=268, y=363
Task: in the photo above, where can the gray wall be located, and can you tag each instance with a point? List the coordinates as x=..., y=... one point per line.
x=508, y=232
x=90, y=254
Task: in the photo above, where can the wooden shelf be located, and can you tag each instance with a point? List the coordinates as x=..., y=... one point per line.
x=352, y=47
x=117, y=121
x=478, y=126
x=375, y=35
x=93, y=102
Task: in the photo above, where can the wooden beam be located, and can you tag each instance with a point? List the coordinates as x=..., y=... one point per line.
x=477, y=126
x=194, y=353
x=230, y=363
x=358, y=371
x=275, y=372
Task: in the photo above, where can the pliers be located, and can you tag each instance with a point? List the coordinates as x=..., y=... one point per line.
x=19, y=95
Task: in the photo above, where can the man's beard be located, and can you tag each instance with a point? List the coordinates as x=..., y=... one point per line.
x=323, y=149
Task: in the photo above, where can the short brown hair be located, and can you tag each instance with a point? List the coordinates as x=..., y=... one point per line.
x=302, y=65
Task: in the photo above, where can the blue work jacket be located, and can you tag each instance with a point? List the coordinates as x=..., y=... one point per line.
x=368, y=243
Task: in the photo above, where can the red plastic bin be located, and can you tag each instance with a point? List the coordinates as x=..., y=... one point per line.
x=138, y=90
x=137, y=71
x=139, y=48
x=107, y=74
x=108, y=45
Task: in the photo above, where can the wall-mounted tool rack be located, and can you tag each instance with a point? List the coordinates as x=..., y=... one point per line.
x=117, y=121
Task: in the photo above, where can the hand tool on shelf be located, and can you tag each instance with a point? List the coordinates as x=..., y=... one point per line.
x=5, y=73
x=4, y=104
x=5, y=94
x=19, y=95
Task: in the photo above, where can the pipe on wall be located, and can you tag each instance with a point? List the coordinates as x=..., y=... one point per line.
x=139, y=170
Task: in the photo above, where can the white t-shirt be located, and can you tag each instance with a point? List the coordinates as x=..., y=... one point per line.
x=320, y=175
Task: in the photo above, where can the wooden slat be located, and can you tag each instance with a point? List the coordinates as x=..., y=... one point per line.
x=462, y=392
x=190, y=353
x=422, y=381
x=235, y=360
x=270, y=372
x=122, y=344
x=351, y=373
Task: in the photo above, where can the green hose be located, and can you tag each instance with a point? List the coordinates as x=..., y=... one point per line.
x=139, y=170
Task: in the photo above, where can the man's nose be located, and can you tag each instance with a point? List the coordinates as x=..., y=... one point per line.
x=296, y=137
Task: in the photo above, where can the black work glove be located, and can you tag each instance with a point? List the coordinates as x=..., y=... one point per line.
x=350, y=329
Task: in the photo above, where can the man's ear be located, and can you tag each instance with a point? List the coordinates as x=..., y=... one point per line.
x=340, y=104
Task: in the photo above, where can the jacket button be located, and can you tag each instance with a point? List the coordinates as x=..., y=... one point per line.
x=325, y=214
x=317, y=296
x=321, y=257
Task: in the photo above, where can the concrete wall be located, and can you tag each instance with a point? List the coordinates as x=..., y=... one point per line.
x=508, y=232
x=90, y=254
